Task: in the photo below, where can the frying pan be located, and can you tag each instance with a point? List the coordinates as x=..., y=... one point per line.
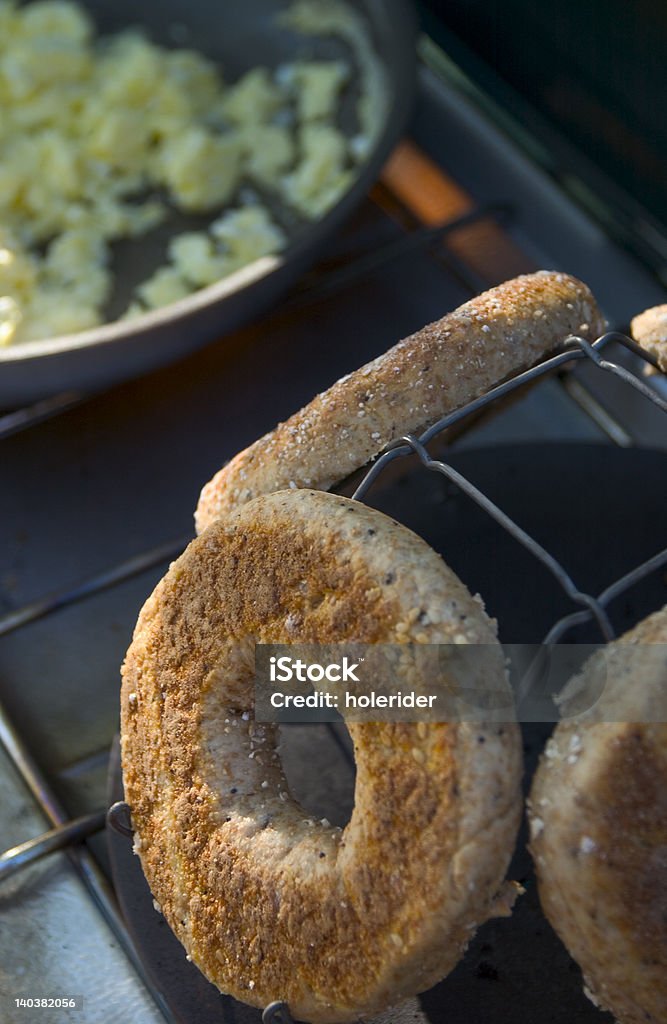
x=239, y=35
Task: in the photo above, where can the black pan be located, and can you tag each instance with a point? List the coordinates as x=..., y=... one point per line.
x=239, y=34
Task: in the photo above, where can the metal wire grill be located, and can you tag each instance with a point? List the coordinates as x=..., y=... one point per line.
x=589, y=608
x=586, y=607
x=575, y=348
x=68, y=834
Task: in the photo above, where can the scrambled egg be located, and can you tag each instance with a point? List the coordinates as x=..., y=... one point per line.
x=101, y=138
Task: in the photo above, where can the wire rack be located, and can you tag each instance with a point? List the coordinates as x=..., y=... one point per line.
x=592, y=607
x=586, y=608
x=68, y=834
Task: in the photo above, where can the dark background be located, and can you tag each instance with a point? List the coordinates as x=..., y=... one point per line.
x=596, y=70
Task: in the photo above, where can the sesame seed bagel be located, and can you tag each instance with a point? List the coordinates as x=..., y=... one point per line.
x=598, y=812
x=649, y=329
x=269, y=904
x=409, y=388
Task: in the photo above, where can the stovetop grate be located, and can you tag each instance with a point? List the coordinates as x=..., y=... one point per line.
x=66, y=833
x=471, y=273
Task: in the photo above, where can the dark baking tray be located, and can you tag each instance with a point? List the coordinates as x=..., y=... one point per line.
x=601, y=511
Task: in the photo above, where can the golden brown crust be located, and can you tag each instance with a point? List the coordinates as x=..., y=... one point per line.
x=410, y=387
x=649, y=329
x=232, y=859
x=598, y=810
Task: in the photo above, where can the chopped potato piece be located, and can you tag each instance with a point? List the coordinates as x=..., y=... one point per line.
x=165, y=286
x=50, y=314
x=253, y=99
x=195, y=257
x=320, y=176
x=268, y=152
x=201, y=170
x=10, y=318
x=316, y=86
x=76, y=264
x=120, y=139
x=248, y=234
x=54, y=19
x=18, y=271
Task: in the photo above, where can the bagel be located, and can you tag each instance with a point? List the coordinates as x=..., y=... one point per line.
x=407, y=389
x=598, y=814
x=268, y=904
x=649, y=329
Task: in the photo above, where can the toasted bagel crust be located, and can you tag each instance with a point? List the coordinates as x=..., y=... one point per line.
x=410, y=387
x=269, y=904
x=598, y=811
x=649, y=329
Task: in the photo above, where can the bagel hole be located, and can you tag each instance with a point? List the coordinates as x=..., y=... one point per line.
x=318, y=761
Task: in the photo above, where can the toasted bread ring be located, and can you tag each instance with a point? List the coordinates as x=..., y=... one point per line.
x=649, y=329
x=598, y=811
x=235, y=866
x=407, y=389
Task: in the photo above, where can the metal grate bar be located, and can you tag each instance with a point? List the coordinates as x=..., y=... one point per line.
x=580, y=394
x=31, y=415
x=620, y=371
x=81, y=859
x=574, y=348
x=86, y=588
x=607, y=596
x=333, y=281
x=519, y=534
x=56, y=838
